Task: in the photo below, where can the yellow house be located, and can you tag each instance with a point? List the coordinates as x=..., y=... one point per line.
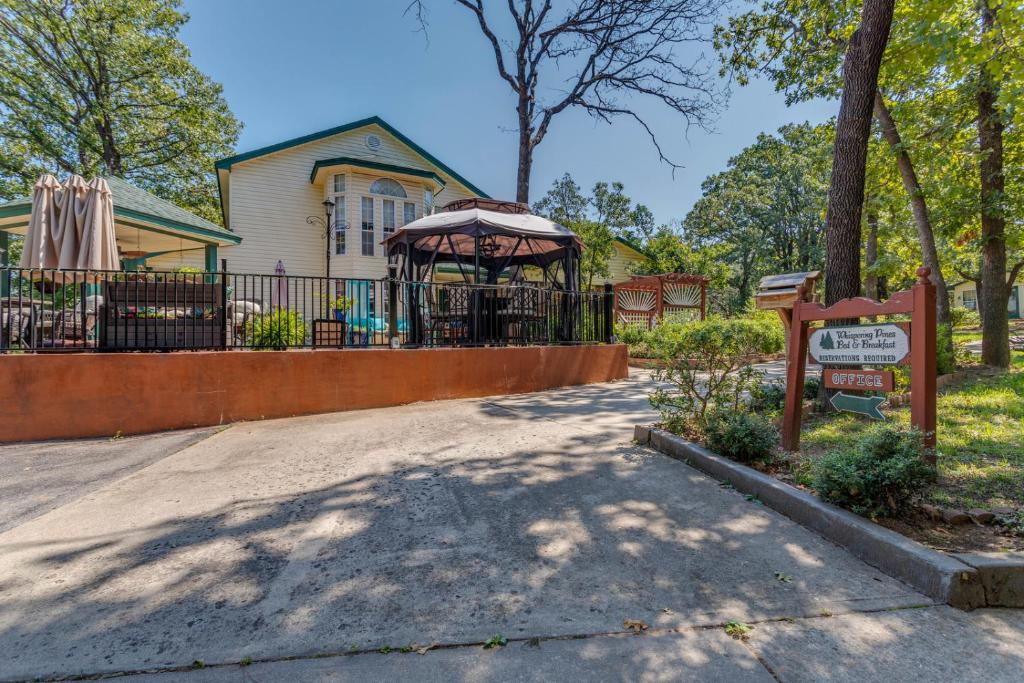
x=965, y=294
x=377, y=179
x=623, y=262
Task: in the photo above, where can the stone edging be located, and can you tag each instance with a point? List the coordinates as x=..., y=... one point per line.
x=965, y=581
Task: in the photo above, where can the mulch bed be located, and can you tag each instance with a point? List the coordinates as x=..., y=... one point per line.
x=960, y=538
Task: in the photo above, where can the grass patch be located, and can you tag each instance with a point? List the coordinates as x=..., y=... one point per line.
x=964, y=336
x=980, y=439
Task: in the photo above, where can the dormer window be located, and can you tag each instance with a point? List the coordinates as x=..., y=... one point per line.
x=388, y=187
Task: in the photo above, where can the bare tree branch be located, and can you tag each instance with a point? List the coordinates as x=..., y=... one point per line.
x=612, y=52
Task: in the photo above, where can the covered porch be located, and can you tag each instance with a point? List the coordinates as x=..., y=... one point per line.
x=150, y=232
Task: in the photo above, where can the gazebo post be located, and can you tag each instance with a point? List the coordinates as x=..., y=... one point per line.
x=411, y=296
x=476, y=260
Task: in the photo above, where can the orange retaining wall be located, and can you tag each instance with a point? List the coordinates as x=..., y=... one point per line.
x=64, y=396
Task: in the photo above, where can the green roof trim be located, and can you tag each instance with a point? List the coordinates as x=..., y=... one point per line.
x=227, y=163
x=137, y=205
x=22, y=206
x=376, y=166
x=632, y=245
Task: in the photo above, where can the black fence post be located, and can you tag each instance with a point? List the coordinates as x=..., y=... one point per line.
x=609, y=313
x=226, y=327
x=392, y=302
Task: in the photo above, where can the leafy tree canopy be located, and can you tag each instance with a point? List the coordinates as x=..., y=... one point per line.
x=106, y=87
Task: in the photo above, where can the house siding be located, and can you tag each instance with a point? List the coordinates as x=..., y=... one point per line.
x=619, y=265
x=1015, y=308
x=271, y=196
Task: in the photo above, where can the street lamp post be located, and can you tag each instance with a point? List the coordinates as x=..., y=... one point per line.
x=326, y=223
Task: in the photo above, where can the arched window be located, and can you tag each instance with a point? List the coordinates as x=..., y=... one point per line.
x=388, y=187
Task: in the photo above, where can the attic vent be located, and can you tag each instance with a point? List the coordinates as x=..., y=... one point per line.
x=373, y=142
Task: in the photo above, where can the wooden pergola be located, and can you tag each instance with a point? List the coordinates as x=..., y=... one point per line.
x=646, y=299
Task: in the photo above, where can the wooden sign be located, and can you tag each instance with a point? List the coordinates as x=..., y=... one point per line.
x=862, y=405
x=859, y=380
x=882, y=344
x=885, y=344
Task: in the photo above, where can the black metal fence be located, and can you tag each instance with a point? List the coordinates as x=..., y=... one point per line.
x=68, y=310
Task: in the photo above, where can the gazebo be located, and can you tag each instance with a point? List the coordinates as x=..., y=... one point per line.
x=520, y=275
x=488, y=241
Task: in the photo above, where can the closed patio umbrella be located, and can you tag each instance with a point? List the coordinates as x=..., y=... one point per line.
x=279, y=292
x=71, y=210
x=39, y=250
x=97, y=248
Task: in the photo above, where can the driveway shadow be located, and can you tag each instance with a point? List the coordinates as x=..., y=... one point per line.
x=443, y=523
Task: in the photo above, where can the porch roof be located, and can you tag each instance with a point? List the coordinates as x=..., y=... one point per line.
x=134, y=207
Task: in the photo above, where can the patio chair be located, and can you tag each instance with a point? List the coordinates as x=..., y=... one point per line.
x=70, y=329
x=443, y=320
x=1017, y=343
x=16, y=324
x=526, y=318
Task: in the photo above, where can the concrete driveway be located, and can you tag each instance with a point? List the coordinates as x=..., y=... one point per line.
x=306, y=546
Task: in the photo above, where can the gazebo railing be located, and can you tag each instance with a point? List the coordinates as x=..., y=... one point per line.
x=43, y=310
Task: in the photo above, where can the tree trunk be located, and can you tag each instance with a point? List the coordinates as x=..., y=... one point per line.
x=871, y=256
x=525, y=159
x=849, y=157
x=979, y=297
x=995, y=326
x=918, y=205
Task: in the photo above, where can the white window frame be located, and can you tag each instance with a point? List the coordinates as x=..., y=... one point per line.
x=340, y=228
x=408, y=212
x=972, y=305
x=387, y=225
x=367, y=232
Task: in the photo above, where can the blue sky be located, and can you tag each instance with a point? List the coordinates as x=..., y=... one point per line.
x=296, y=67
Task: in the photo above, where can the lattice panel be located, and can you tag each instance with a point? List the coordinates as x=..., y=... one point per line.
x=637, y=300
x=685, y=296
x=634, y=318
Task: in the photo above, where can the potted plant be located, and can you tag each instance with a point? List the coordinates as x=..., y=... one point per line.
x=340, y=304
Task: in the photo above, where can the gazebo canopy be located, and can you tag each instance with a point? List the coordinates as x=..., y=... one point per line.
x=485, y=234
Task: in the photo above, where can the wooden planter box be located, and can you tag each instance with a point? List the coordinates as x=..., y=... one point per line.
x=163, y=334
x=177, y=302
x=329, y=333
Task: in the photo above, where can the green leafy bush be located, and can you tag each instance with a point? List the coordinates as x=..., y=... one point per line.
x=812, y=385
x=768, y=397
x=706, y=364
x=744, y=437
x=635, y=337
x=278, y=329
x=963, y=317
x=877, y=476
x=945, y=350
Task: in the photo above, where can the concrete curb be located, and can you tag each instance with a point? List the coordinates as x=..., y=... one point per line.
x=1002, y=576
x=937, y=575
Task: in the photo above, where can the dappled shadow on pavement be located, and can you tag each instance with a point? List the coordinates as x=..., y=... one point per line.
x=438, y=523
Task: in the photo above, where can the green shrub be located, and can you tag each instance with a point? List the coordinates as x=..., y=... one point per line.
x=635, y=337
x=812, y=385
x=945, y=350
x=964, y=317
x=877, y=476
x=768, y=397
x=629, y=333
x=278, y=329
x=744, y=437
x=706, y=364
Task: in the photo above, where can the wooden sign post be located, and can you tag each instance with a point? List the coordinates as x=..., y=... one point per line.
x=876, y=344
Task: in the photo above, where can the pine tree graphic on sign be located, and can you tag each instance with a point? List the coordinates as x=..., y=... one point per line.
x=826, y=341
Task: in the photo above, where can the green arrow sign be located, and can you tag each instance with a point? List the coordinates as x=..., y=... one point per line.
x=862, y=405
